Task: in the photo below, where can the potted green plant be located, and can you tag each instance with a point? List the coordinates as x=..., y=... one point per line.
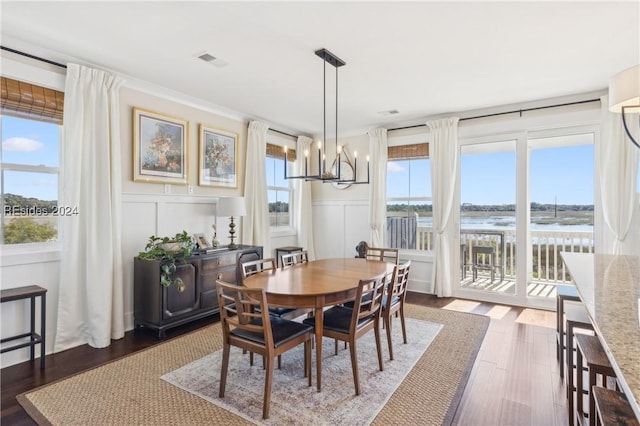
x=169, y=251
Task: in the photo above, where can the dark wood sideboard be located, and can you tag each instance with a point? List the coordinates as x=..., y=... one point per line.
x=160, y=308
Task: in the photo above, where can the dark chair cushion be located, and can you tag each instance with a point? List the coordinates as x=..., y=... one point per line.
x=337, y=319
x=279, y=311
x=283, y=330
x=394, y=301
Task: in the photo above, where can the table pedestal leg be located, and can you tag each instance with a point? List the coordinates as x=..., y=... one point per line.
x=319, y=326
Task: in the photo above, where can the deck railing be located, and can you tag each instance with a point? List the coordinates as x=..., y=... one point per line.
x=546, y=245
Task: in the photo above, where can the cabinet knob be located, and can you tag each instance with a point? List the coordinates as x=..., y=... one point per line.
x=218, y=262
x=219, y=275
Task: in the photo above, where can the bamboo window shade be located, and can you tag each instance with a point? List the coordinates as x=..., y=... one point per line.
x=276, y=151
x=30, y=101
x=404, y=152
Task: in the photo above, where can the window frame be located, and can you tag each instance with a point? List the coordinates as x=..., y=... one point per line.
x=52, y=77
x=408, y=152
x=272, y=149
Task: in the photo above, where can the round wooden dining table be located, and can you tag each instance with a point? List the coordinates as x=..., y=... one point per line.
x=316, y=284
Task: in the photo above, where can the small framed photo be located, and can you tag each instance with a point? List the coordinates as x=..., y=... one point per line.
x=218, y=165
x=202, y=242
x=159, y=148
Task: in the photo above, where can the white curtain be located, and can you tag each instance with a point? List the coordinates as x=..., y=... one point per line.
x=302, y=192
x=444, y=158
x=617, y=170
x=378, y=186
x=255, y=226
x=91, y=303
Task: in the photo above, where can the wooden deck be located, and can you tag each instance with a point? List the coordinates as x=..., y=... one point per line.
x=508, y=286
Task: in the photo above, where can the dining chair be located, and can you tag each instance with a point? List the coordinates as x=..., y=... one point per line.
x=384, y=254
x=247, y=325
x=349, y=325
x=295, y=258
x=393, y=301
x=259, y=265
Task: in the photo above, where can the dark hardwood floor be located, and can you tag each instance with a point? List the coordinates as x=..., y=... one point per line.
x=515, y=379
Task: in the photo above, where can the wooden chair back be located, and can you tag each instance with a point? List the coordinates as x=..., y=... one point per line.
x=384, y=254
x=368, y=302
x=244, y=308
x=397, y=288
x=290, y=259
x=254, y=266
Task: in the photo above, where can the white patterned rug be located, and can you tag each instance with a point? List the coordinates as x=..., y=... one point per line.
x=292, y=401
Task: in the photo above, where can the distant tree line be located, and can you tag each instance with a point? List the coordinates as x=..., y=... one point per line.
x=13, y=200
x=278, y=207
x=468, y=207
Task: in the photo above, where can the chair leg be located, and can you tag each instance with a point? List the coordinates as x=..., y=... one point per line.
x=402, y=322
x=225, y=368
x=267, y=387
x=354, y=366
x=307, y=359
x=386, y=320
x=376, y=330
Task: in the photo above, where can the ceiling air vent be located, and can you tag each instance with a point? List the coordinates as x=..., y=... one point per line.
x=206, y=57
x=210, y=59
x=390, y=112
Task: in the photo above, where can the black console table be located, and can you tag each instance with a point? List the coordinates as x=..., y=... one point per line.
x=29, y=292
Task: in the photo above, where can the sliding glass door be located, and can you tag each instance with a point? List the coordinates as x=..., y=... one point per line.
x=561, y=192
x=523, y=201
x=488, y=219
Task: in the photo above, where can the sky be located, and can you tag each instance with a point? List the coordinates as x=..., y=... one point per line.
x=565, y=174
x=31, y=143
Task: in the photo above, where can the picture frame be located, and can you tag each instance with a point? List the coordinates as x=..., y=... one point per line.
x=202, y=241
x=218, y=158
x=160, y=152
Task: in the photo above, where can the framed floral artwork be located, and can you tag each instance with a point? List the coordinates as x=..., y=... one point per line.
x=159, y=148
x=218, y=165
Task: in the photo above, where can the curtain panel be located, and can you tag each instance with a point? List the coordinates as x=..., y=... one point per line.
x=378, y=186
x=91, y=301
x=445, y=158
x=617, y=171
x=255, y=226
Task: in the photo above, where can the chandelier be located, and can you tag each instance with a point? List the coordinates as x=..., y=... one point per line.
x=340, y=171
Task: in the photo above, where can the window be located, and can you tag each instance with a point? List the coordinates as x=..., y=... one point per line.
x=30, y=128
x=409, y=219
x=30, y=168
x=279, y=191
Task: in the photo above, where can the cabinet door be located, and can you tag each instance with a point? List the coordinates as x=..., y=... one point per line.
x=208, y=295
x=177, y=300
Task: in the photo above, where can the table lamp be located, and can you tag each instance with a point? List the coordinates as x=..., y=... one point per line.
x=231, y=207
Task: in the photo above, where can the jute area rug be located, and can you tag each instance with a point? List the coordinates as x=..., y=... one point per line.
x=130, y=390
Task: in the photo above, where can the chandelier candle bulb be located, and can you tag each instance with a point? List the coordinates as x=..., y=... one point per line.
x=306, y=161
x=319, y=158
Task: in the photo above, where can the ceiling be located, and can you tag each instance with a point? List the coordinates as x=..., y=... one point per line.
x=420, y=58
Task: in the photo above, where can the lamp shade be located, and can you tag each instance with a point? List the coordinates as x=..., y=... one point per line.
x=624, y=89
x=231, y=206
